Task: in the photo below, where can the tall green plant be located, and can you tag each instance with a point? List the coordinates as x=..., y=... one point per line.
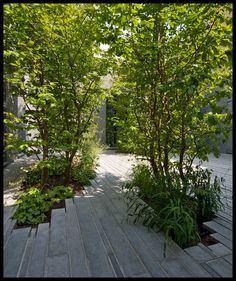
x=172, y=63
x=51, y=59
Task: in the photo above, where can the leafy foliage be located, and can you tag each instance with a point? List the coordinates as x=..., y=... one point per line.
x=51, y=60
x=84, y=166
x=33, y=204
x=172, y=68
x=176, y=210
x=32, y=207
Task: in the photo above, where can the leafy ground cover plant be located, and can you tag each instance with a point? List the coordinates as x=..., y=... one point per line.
x=177, y=209
x=35, y=204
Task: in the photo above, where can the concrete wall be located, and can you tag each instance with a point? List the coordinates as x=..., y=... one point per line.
x=101, y=130
x=14, y=105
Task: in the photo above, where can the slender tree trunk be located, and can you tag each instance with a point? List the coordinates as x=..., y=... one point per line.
x=69, y=158
x=182, y=150
x=44, y=175
x=153, y=161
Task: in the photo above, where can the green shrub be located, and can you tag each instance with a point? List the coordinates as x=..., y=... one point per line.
x=142, y=177
x=179, y=223
x=34, y=203
x=82, y=176
x=58, y=193
x=56, y=166
x=176, y=207
x=83, y=169
x=206, y=192
x=33, y=176
x=32, y=207
x=89, y=155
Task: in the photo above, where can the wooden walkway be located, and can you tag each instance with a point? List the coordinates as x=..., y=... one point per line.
x=91, y=238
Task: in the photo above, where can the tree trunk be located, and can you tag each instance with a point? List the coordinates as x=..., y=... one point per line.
x=44, y=175
x=153, y=162
x=67, y=178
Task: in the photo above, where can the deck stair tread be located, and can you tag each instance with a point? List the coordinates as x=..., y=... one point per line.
x=14, y=251
x=198, y=253
x=8, y=228
x=128, y=259
x=77, y=256
x=97, y=258
x=218, y=237
x=221, y=267
x=219, y=249
x=216, y=227
x=194, y=269
x=229, y=258
x=36, y=265
x=27, y=254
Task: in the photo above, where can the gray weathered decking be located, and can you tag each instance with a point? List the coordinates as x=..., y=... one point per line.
x=92, y=238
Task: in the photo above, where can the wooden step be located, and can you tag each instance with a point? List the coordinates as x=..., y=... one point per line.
x=27, y=254
x=221, y=267
x=77, y=256
x=219, y=238
x=97, y=258
x=220, y=250
x=14, y=250
x=213, y=226
x=37, y=261
x=198, y=253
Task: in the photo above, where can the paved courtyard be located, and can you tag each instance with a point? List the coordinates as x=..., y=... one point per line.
x=92, y=238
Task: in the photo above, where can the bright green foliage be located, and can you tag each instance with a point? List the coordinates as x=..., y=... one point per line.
x=34, y=203
x=59, y=193
x=32, y=207
x=173, y=211
x=33, y=175
x=83, y=170
x=173, y=61
x=178, y=222
x=207, y=193
x=51, y=60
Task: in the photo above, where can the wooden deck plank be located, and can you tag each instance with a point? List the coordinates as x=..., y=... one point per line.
x=229, y=258
x=215, y=227
x=224, y=223
x=8, y=228
x=145, y=253
x=127, y=258
x=57, y=238
x=221, y=267
x=14, y=250
x=186, y=260
x=77, y=256
x=57, y=266
x=222, y=240
x=198, y=253
x=8, y=212
x=27, y=254
x=36, y=265
x=98, y=260
x=220, y=250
